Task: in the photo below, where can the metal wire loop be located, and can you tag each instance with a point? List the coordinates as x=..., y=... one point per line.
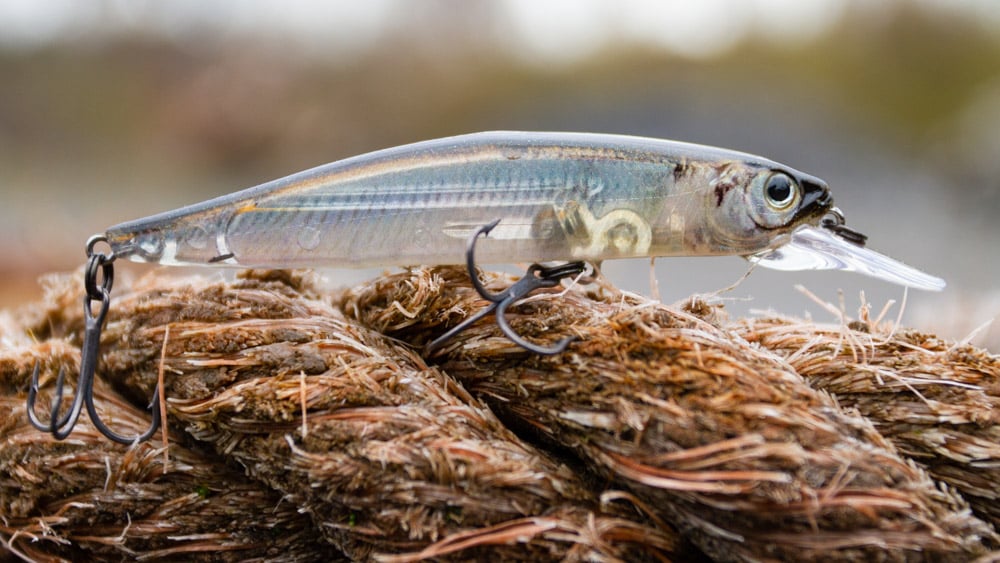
x=835, y=221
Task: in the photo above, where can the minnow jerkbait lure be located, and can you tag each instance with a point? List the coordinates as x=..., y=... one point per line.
x=540, y=196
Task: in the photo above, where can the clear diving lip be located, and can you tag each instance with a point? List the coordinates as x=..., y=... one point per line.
x=818, y=248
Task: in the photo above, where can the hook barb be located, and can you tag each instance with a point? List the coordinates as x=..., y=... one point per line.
x=536, y=277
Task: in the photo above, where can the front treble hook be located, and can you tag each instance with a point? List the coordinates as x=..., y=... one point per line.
x=536, y=277
x=61, y=425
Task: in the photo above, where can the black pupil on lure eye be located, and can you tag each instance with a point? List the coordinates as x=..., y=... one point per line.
x=779, y=189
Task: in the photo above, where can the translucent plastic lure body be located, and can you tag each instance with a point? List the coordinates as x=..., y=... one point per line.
x=540, y=196
x=558, y=196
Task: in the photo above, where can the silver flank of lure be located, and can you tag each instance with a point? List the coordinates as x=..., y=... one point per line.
x=557, y=196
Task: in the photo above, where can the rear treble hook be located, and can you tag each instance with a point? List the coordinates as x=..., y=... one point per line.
x=61, y=425
x=536, y=277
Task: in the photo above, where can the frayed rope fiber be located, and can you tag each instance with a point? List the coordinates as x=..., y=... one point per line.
x=309, y=425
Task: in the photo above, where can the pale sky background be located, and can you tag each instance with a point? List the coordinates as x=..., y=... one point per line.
x=552, y=30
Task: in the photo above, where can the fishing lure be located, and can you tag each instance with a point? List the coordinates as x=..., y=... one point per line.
x=539, y=196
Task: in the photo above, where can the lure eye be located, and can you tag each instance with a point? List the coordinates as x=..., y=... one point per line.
x=781, y=191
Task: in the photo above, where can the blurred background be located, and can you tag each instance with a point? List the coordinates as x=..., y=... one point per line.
x=112, y=110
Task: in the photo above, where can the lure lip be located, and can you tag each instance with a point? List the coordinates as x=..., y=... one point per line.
x=821, y=248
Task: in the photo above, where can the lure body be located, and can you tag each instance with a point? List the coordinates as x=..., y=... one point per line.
x=558, y=196
x=540, y=196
